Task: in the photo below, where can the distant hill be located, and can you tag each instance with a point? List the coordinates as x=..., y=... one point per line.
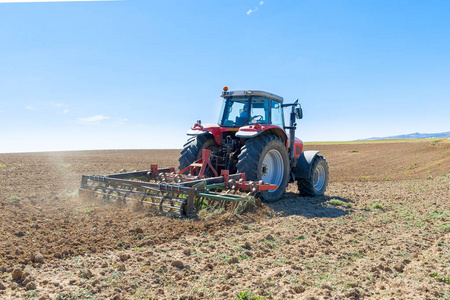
x=416, y=135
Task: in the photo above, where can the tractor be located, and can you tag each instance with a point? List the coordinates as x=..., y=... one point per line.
x=249, y=153
x=251, y=137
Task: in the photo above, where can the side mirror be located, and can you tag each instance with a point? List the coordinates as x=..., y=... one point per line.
x=299, y=113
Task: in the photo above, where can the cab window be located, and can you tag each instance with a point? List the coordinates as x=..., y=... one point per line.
x=260, y=110
x=235, y=112
x=277, y=114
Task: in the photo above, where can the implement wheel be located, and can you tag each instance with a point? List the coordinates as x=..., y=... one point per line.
x=192, y=150
x=265, y=158
x=317, y=183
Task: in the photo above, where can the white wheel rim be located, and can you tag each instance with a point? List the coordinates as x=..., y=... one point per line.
x=319, y=177
x=272, y=168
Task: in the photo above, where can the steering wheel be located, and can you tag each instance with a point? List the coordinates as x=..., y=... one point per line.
x=257, y=118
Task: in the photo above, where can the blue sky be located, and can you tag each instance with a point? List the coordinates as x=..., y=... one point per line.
x=137, y=74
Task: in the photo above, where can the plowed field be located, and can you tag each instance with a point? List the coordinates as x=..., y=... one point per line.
x=382, y=231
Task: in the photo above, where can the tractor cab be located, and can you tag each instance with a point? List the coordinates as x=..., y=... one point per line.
x=242, y=108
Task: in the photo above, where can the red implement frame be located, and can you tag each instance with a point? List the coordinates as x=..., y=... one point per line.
x=240, y=184
x=202, y=163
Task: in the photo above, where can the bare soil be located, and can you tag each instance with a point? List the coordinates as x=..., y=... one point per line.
x=382, y=231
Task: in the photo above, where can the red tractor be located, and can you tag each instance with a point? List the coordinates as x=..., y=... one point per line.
x=252, y=138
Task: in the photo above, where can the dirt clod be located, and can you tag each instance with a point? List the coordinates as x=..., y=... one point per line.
x=124, y=256
x=14, y=286
x=234, y=260
x=30, y=286
x=39, y=258
x=298, y=289
x=177, y=263
x=269, y=237
x=399, y=267
x=85, y=274
x=121, y=267
x=17, y=274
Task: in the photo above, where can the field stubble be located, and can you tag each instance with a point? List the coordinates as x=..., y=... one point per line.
x=381, y=231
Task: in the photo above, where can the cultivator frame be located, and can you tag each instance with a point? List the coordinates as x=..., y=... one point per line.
x=180, y=194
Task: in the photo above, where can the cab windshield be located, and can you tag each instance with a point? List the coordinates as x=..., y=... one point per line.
x=236, y=112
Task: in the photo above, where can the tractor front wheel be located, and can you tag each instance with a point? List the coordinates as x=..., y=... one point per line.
x=265, y=158
x=317, y=182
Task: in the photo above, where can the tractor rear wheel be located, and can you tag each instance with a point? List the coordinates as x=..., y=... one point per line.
x=192, y=150
x=265, y=158
x=317, y=182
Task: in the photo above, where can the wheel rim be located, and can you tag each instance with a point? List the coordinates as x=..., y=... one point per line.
x=319, y=177
x=272, y=168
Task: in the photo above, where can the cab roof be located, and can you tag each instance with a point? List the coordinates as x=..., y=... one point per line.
x=248, y=93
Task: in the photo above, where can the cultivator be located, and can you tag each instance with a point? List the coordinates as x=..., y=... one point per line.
x=179, y=194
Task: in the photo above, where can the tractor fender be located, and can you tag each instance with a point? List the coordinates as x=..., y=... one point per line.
x=304, y=162
x=192, y=132
x=247, y=134
x=251, y=131
x=213, y=129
